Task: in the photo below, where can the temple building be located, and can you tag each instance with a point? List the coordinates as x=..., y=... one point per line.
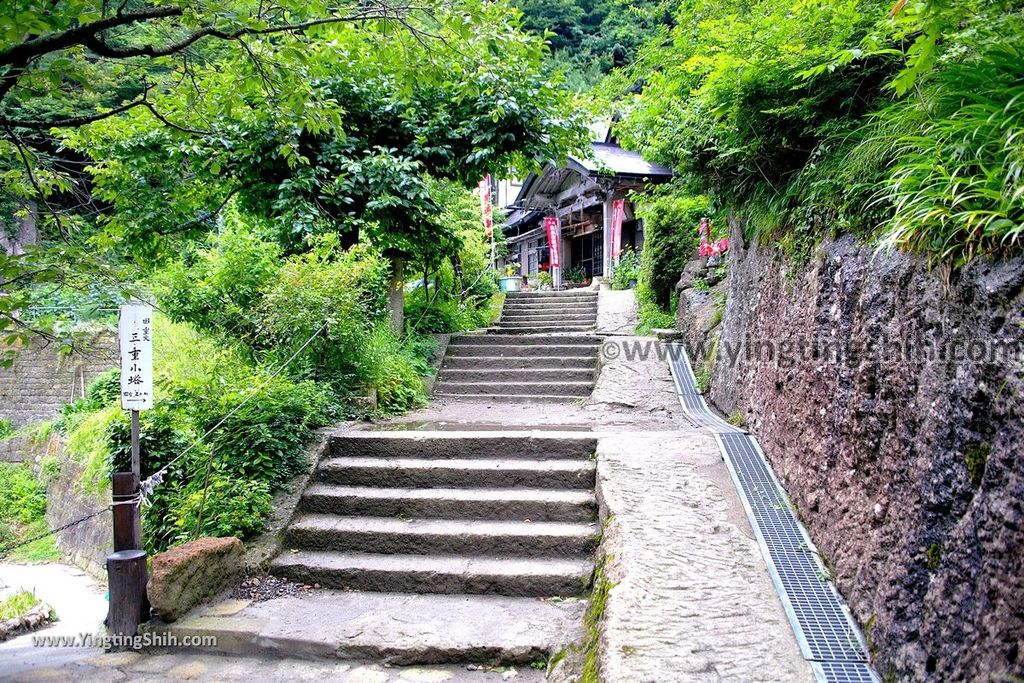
x=581, y=195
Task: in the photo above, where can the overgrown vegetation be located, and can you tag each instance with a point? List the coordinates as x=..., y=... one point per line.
x=901, y=123
x=23, y=514
x=17, y=604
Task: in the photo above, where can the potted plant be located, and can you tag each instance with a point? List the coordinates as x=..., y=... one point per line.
x=546, y=281
x=575, y=277
x=511, y=281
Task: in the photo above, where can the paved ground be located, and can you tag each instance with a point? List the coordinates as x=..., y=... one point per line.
x=168, y=666
x=80, y=604
x=692, y=600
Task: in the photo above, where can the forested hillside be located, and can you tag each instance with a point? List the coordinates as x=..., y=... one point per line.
x=900, y=123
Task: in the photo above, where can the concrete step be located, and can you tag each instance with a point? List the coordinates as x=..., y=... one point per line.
x=450, y=374
x=520, y=362
x=459, y=473
x=552, y=305
x=550, y=296
x=529, y=328
x=552, y=388
x=498, y=399
x=390, y=535
x=519, y=577
x=537, y=505
x=462, y=445
x=548, y=318
x=392, y=628
x=534, y=350
x=516, y=339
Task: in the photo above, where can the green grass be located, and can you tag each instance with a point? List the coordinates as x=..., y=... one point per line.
x=651, y=317
x=36, y=552
x=16, y=605
x=592, y=623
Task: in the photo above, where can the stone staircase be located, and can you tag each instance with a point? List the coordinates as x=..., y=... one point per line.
x=542, y=350
x=506, y=515
x=547, y=312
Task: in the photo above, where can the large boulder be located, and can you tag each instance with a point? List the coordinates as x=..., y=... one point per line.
x=192, y=573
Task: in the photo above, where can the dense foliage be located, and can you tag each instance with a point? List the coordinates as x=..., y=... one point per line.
x=23, y=513
x=670, y=217
x=898, y=122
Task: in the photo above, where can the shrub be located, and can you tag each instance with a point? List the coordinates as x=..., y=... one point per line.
x=447, y=314
x=218, y=288
x=265, y=439
x=628, y=268
x=955, y=158
x=651, y=317
x=392, y=371
x=6, y=428
x=671, y=217
x=343, y=291
x=22, y=498
x=233, y=507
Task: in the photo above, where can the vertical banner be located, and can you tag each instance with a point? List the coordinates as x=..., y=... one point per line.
x=486, y=210
x=135, y=336
x=551, y=228
x=618, y=212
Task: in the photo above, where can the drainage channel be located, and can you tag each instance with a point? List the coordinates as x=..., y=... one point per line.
x=825, y=630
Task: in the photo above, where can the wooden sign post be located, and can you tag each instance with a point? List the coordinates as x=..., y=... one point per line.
x=126, y=567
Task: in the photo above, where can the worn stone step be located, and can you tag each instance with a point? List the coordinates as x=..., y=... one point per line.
x=520, y=362
x=537, y=505
x=529, y=328
x=585, y=307
x=519, y=340
x=551, y=296
x=462, y=473
x=449, y=374
x=392, y=628
x=422, y=445
x=534, y=350
x=450, y=574
x=546, y=318
x=391, y=535
x=552, y=388
x=498, y=399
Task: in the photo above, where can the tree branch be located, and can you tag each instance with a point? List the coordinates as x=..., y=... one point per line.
x=72, y=121
x=52, y=42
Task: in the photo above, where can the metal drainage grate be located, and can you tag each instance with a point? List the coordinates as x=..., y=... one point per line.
x=844, y=672
x=825, y=630
x=691, y=399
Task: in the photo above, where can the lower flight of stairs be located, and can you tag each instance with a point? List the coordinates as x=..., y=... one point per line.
x=506, y=515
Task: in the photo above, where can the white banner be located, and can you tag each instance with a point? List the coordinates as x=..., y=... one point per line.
x=135, y=334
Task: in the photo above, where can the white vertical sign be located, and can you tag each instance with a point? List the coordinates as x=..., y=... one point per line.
x=135, y=334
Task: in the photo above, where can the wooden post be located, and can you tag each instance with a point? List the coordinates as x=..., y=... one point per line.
x=136, y=466
x=129, y=607
x=127, y=518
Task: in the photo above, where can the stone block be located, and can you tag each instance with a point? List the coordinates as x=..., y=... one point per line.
x=192, y=573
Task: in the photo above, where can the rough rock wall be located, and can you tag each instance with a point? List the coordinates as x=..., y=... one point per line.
x=42, y=380
x=87, y=544
x=908, y=471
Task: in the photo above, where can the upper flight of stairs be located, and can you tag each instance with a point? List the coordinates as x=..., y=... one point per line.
x=503, y=515
x=543, y=312
x=542, y=350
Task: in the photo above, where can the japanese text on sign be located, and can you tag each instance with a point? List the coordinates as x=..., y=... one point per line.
x=135, y=334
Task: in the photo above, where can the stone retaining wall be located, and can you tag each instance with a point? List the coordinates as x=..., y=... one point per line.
x=906, y=470
x=42, y=379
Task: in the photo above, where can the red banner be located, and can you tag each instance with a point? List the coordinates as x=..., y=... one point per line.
x=618, y=213
x=551, y=228
x=485, y=205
